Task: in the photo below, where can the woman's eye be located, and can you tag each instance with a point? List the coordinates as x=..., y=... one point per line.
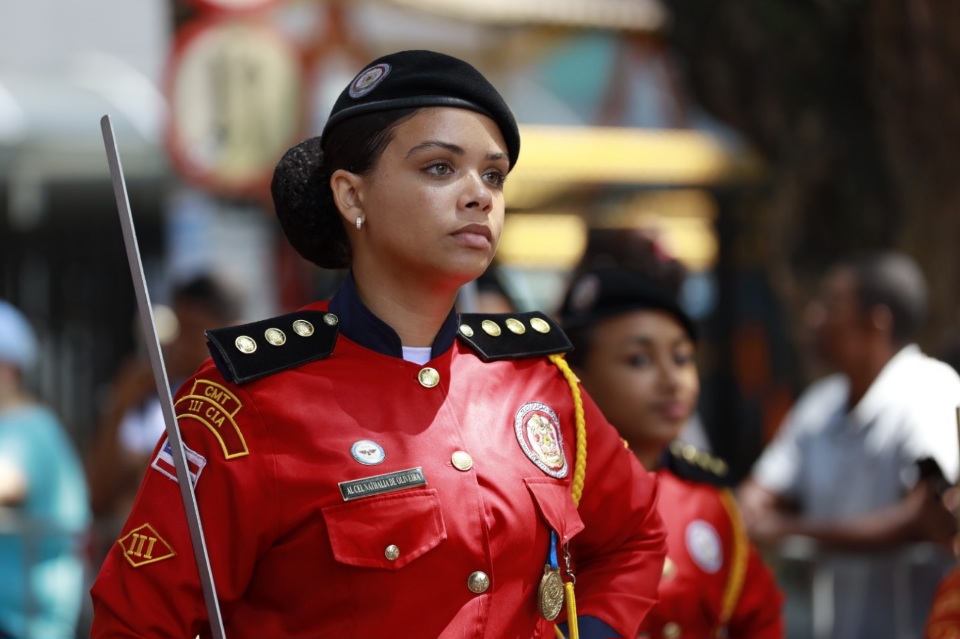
x=496, y=178
x=440, y=168
x=683, y=359
x=639, y=361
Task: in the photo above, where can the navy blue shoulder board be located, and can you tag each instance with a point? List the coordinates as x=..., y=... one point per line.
x=250, y=351
x=496, y=336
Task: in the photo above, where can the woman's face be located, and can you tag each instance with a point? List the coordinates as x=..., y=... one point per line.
x=641, y=372
x=433, y=203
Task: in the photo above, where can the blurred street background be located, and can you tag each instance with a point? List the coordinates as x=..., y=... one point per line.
x=757, y=141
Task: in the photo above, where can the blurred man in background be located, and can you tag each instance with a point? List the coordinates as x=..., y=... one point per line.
x=44, y=508
x=860, y=460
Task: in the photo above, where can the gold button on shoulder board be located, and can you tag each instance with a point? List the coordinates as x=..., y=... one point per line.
x=671, y=630
x=391, y=552
x=275, y=336
x=490, y=327
x=466, y=331
x=478, y=582
x=718, y=466
x=303, y=328
x=539, y=325
x=428, y=377
x=245, y=344
x=462, y=460
x=516, y=326
x=330, y=319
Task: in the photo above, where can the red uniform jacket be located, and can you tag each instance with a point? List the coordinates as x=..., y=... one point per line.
x=348, y=498
x=715, y=584
x=944, y=620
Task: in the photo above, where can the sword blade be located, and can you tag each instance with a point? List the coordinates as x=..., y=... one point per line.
x=160, y=377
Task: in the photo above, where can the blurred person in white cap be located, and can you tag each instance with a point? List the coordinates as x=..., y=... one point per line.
x=44, y=509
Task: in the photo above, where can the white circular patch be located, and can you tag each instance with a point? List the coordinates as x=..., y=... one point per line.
x=368, y=452
x=368, y=80
x=703, y=544
x=538, y=431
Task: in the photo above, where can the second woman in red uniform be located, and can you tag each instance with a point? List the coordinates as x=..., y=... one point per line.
x=634, y=352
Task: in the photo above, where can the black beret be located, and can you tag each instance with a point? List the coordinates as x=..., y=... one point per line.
x=607, y=291
x=414, y=79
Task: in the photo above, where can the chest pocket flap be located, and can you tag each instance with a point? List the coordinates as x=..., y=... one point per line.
x=409, y=524
x=556, y=506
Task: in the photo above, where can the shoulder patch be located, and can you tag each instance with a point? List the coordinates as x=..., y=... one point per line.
x=496, y=336
x=688, y=462
x=144, y=545
x=251, y=351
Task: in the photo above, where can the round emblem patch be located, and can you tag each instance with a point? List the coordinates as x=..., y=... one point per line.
x=538, y=431
x=703, y=544
x=368, y=80
x=368, y=452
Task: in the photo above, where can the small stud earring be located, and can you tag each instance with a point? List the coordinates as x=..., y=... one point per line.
x=359, y=222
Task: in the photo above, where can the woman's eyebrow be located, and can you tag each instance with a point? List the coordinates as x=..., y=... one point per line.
x=637, y=340
x=453, y=148
x=436, y=144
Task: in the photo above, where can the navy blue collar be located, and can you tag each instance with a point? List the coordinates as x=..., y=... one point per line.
x=360, y=325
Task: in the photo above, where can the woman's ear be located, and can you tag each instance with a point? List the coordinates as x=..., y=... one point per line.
x=346, y=187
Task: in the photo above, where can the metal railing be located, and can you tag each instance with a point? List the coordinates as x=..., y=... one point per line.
x=807, y=576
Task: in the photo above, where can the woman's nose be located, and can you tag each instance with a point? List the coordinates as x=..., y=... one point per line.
x=477, y=193
x=669, y=376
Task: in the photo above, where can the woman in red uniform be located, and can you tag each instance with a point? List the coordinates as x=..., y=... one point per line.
x=944, y=619
x=377, y=465
x=635, y=350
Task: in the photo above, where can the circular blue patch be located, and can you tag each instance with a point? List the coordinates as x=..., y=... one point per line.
x=368, y=452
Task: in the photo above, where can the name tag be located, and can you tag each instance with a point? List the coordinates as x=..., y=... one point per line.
x=378, y=484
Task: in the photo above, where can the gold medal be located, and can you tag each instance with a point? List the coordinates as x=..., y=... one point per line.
x=550, y=593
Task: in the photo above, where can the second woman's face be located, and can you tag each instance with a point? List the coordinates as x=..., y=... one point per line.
x=433, y=202
x=642, y=374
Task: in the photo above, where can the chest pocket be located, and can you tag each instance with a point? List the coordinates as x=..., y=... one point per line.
x=555, y=506
x=387, y=531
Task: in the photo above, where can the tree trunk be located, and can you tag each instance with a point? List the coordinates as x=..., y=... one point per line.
x=856, y=108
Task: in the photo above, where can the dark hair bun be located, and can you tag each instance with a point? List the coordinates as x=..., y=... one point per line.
x=305, y=208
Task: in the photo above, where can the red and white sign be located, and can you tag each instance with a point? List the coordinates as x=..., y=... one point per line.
x=236, y=93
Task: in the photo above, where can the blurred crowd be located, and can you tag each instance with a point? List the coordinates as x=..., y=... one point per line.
x=849, y=514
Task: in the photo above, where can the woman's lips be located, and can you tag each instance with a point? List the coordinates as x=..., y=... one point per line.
x=672, y=410
x=474, y=236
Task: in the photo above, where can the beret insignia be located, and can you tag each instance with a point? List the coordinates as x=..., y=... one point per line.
x=368, y=80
